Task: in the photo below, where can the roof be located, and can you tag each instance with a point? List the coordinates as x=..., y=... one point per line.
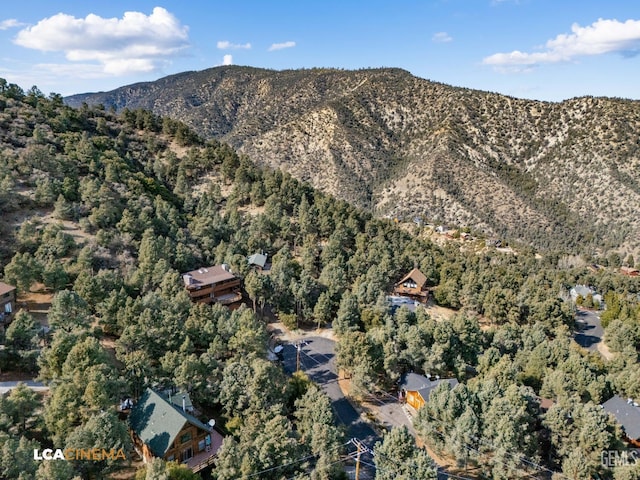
x=207, y=276
x=176, y=399
x=157, y=423
x=415, y=275
x=629, y=270
x=546, y=403
x=627, y=415
x=412, y=382
x=258, y=259
x=6, y=288
x=581, y=290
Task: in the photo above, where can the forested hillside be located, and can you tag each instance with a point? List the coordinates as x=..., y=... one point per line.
x=553, y=175
x=104, y=210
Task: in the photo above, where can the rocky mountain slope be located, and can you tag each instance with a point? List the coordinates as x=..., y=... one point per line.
x=550, y=174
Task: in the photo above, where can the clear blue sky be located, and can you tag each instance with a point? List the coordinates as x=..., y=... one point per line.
x=540, y=49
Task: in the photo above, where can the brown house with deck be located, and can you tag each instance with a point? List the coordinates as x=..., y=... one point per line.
x=214, y=284
x=413, y=285
x=161, y=429
x=7, y=303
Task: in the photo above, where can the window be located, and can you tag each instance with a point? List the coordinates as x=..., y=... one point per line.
x=201, y=445
x=187, y=454
x=171, y=458
x=184, y=438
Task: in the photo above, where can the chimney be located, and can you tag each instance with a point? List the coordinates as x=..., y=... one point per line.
x=184, y=403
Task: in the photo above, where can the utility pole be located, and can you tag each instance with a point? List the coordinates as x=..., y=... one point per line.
x=298, y=357
x=358, y=460
x=362, y=448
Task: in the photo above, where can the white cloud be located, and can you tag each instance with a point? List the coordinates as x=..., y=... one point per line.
x=133, y=44
x=601, y=37
x=10, y=23
x=280, y=46
x=441, y=37
x=227, y=45
x=227, y=60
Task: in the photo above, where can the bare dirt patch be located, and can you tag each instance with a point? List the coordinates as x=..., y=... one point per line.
x=437, y=312
x=72, y=228
x=604, y=350
x=252, y=210
x=279, y=330
x=37, y=303
x=109, y=345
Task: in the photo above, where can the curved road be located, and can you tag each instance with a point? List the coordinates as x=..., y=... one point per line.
x=589, y=329
x=317, y=360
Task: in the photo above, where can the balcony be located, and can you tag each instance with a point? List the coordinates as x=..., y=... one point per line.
x=228, y=298
x=411, y=292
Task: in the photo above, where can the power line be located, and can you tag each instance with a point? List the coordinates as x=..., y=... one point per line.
x=519, y=458
x=350, y=456
x=522, y=458
x=299, y=460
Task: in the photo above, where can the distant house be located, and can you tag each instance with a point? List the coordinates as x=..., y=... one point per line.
x=545, y=404
x=583, y=291
x=627, y=414
x=214, y=284
x=413, y=285
x=258, y=261
x=630, y=271
x=493, y=242
x=416, y=389
x=161, y=429
x=7, y=302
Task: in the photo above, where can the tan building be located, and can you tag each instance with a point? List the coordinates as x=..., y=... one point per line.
x=415, y=389
x=214, y=284
x=7, y=303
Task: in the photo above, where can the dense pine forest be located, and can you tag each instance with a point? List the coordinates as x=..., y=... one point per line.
x=558, y=176
x=104, y=210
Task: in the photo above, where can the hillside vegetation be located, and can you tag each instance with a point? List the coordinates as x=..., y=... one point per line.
x=103, y=211
x=561, y=175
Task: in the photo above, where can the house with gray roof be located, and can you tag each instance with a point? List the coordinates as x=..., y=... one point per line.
x=258, y=261
x=583, y=291
x=160, y=428
x=416, y=389
x=627, y=414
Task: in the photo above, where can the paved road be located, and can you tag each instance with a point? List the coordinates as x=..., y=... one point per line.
x=589, y=329
x=35, y=386
x=317, y=360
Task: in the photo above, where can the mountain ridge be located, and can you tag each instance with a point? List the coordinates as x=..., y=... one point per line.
x=551, y=174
